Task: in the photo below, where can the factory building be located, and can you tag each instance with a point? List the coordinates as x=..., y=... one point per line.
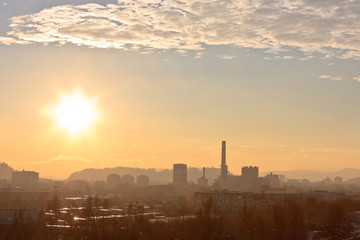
x=224, y=167
x=203, y=181
x=248, y=180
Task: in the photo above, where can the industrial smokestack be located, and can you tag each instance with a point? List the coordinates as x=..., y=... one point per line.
x=223, y=160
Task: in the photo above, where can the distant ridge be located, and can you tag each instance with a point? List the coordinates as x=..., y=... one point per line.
x=157, y=176
x=346, y=174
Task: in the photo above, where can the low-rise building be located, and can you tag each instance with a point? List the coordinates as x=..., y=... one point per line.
x=25, y=179
x=20, y=198
x=226, y=202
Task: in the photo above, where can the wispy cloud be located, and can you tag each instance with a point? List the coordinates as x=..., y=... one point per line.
x=306, y=58
x=357, y=78
x=9, y=41
x=288, y=57
x=199, y=55
x=331, y=28
x=68, y=159
x=65, y=158
x=228, y=57
x=330, y=77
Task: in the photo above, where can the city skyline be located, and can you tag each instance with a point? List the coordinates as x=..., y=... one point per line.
x=170, y=80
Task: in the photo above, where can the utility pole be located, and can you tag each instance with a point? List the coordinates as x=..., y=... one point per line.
x=56, y=210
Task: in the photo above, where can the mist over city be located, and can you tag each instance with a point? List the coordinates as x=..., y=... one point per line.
x=190, y=119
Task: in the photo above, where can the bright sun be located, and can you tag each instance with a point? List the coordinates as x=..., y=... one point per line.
x=75, y=113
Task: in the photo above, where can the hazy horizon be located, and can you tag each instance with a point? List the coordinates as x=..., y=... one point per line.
x=95, y=84
x=310, y=174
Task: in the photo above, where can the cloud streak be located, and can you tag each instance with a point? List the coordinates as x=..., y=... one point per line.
x=330, y=77
x=357, y=78
x=329, y=27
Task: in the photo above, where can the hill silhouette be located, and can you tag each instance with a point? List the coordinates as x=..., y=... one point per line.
x=157, y=176
x=346, y=174
x=164, y=176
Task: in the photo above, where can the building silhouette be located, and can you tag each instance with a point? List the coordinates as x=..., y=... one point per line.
x=24, y=179
x=113, y=180
x=142, y=180
x=250, y=178
x=127, y=179
x=225, y=202
x=272, y=181
x=224, y=168
x=24, y=198
x=203, y=181
x=179, y=173
x=250, y=173
x=338, y=180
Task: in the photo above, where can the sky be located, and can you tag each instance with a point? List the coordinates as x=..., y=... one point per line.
x=169, y=80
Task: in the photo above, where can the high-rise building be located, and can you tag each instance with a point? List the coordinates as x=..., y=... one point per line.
x=127, y=179
x=282, y=179
x=179, y=173
x=113, y=180
x=25, y=179
x=224, y=168
x=142, y=180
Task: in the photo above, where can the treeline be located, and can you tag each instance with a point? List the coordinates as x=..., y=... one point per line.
x=290, y=219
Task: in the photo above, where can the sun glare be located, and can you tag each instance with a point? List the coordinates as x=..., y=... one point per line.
x=75, y=113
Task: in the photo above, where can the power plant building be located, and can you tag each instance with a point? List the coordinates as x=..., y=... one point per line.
x=203, y=181
x=224, y=168
x=249, y=174
x=179, y=173
x=248, y=180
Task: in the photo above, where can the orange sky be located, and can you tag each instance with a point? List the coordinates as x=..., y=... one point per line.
x=169, y=89
x=146, y=124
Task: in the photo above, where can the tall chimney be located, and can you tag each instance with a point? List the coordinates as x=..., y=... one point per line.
x=224, y=169
x=203, y=172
